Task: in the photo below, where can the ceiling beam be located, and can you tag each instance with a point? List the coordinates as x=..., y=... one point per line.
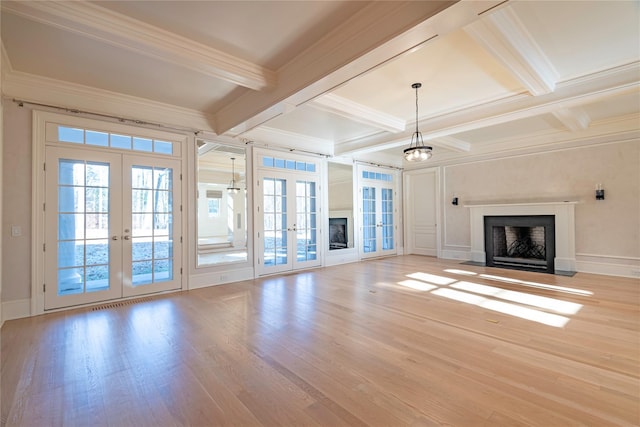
x=574, y=119
x=570, y=94
x=119, y=30
x=392, y=29
x=502, y=34
x=348, y=109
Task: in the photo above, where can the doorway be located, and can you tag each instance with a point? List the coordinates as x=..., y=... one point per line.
x=112, y=222
x=287, y=215
x=378, y=211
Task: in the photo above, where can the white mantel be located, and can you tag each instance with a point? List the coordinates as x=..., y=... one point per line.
x=564, y=212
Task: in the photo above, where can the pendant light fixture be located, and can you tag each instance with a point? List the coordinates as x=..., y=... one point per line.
x=233, y=188
x=417, y=151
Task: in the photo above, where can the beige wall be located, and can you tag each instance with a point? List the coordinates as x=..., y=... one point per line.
x=16, y=201
x=609, y=228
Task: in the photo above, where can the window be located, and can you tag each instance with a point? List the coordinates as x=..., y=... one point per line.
x=213, y=202
x=113, y=140
x=273, y=162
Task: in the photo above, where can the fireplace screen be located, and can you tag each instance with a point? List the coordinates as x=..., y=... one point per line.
x=338, y=233
x=520, y=242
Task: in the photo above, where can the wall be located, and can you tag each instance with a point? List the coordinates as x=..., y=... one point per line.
x=607, y=232
x=16, y=201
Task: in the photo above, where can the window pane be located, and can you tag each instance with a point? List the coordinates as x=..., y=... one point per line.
x=97, y=278
x=267, y=161
x=70, y=226
x=66, y=134
x=142, y=144
x=162, y=270
x=142, y=177
x=97, y=252
x=162, y=178
x=141, y=272
x=70, y=172
x=141, y=249
x=121, y=141
x=100, y=139
x=97, y=174
x=71, y=199
x=70, y=254
x=70, y=281
x=163, y=147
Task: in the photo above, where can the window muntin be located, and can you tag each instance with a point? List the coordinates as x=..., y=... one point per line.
x=114, y=140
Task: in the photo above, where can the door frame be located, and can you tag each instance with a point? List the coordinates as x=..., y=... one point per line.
x=259, y=172
x=42, y=124
x=396, y=186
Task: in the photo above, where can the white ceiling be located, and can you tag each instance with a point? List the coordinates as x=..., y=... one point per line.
x=335, y=77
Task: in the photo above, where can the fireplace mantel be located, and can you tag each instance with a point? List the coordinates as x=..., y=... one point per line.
x=564, y=212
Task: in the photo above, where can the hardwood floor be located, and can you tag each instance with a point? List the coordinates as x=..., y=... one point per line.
x=399, y=341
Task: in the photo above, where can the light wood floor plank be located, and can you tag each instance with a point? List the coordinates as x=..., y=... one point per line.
x=406, y=340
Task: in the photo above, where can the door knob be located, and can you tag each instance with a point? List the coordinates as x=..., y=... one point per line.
x=126, y=237
x=114, y=238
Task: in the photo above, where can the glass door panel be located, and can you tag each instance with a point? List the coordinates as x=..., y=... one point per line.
x=275, y=238
x=378, y=212
x=369, y=225
x=387, y=219
x=306, y=225
x=151, y=231
x=289, y=218
x=81, y=260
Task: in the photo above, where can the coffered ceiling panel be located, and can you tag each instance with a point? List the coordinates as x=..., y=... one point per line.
x=335, y=76
x=582, y=37
x=269, y=33
x=455, y=73
x=54, y=53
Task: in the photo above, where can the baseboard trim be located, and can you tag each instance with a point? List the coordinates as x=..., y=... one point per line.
x=204, y=280
x=605, y=265
x=458, y=255
x=608, y=269
x=16, y=309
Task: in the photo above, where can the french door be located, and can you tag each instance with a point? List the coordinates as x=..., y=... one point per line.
x=111, y=224
x=378, y=214
x=287, y=212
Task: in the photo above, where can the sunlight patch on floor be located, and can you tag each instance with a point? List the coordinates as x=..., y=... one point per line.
x=462, y=272
x=520, y=304
x=504, y=307
x=564, y=307
x=432, y=278
x=417, y=285
x=537, y=285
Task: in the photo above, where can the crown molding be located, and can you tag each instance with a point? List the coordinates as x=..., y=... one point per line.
x=44, y=90
x=348, y=109
x=623, y=131
x=570, y=94
x=453, y=144
x=6, y=66
x=573, y=119
x=503, y=35
x=110, y=27
x=290, y=140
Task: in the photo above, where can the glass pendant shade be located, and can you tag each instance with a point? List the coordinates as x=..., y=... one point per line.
x=233, y=188
x=417, y=151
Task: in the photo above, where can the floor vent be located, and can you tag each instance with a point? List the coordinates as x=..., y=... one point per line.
x=121, y=303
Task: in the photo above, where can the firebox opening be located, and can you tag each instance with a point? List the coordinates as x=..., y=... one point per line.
x=338, y=233
x=520, y=242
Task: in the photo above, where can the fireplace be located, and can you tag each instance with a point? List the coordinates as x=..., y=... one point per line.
x=523, y=242
x=563, y=212
x=338, y=233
